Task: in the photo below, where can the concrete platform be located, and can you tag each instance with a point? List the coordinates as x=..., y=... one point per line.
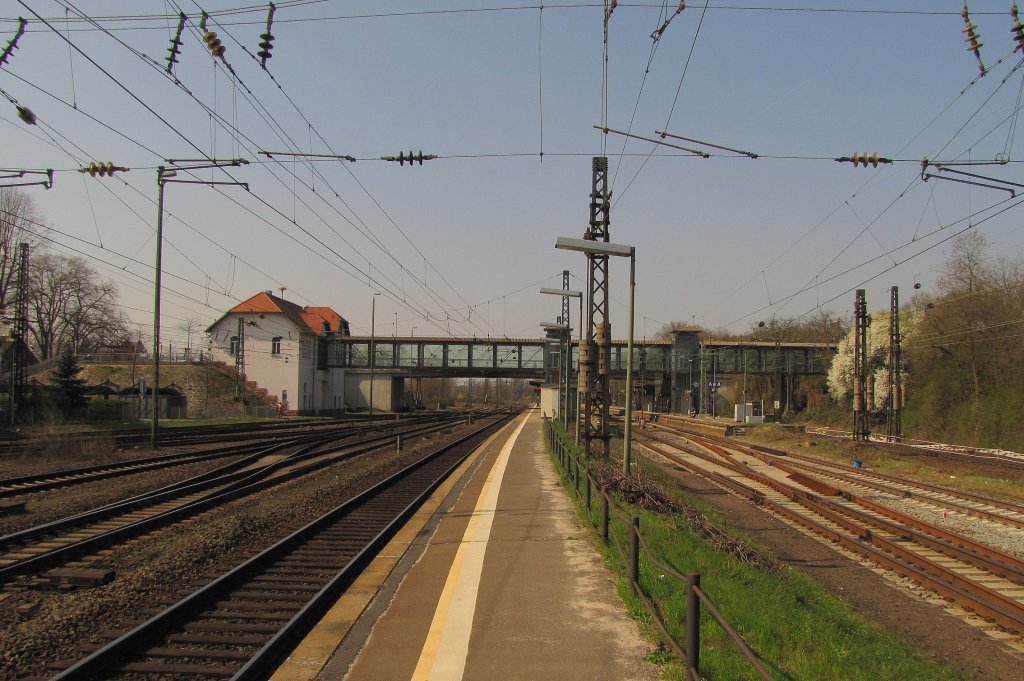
x=494, y=579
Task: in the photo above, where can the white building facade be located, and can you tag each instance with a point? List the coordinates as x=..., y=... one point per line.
x=284, y=351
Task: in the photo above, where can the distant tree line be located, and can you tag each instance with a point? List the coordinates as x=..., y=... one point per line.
x=963, y=358
x=966, y=358
x=70, y=307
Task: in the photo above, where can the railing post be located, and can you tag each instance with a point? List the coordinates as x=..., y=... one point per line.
x=692, y=624
x=587, y=495
x=634, y=553
x=576, y=477
x=604, y=514
x=398, y=443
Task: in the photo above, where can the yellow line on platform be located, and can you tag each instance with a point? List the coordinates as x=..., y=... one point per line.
x=443, y=657
x=315, y=651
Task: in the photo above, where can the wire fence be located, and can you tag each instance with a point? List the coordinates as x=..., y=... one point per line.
x=630, y=544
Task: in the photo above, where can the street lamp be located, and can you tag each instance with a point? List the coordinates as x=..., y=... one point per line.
x=620, y=250
x=566, y=293
x=373, y=321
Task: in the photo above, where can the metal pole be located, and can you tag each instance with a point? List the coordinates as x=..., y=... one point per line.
x=634, y=553
x=154, y=440
x=578, y=394
x=689, y=390
x=692, y=624
x=373, y=319
x=627, y=437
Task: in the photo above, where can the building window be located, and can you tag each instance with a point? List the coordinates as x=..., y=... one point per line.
x=275, y=345
x=233, y=350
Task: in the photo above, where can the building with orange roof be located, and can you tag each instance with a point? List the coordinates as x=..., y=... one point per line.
x=282, y=347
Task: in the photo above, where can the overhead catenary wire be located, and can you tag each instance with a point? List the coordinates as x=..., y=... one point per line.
x=872, y=178
x=372, y=238
x=395, y=296
x=158, y=21
x=402, y=271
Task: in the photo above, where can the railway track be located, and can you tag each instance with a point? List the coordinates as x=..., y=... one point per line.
x=978, y=577
x=191, y=435
x=998, y=457
x=241, y=624
x=15, y=487
x=858, y=481
x=39, y=548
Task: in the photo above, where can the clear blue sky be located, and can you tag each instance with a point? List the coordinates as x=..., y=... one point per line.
x=726, y=241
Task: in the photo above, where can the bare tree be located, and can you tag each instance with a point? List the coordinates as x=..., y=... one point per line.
x=70, y=308
x=20, y=222
x=190, y=326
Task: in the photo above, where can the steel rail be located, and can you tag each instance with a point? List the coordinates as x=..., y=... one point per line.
x=262, y=664
x=863, y=478
x=226, y=473
x=908, y=527
x=993, y=605
x=238, y=485
x=74, y=476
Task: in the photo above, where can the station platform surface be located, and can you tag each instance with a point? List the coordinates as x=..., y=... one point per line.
x=494, y=579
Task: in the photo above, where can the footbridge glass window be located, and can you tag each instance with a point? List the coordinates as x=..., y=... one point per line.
x=508, y=356
x=433, y=355
x=533, y=357
x=458, y=355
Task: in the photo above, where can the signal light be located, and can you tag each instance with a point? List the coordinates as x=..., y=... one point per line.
x=101, y=169
x=419, y=157
x=864, y=159
x=214, y=44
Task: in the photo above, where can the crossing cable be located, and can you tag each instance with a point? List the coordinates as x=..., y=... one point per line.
x=655, y=42
x=867, y=226
x=175, y=130
x=127, y=184
x=81, y=160
x=275, y=210
x=540, y=74
x=46, y=229
x=675, y=100
x=259, y=9
x=970, y=225
x=436, y=296
x=115, y=80
x=120, y=270
x=871, y=179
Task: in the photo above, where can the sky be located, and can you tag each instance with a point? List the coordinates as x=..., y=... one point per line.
x=507, y=95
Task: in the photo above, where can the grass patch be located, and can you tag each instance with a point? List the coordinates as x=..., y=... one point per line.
x=798, y=629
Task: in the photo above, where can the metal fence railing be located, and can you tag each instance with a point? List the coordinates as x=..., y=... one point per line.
x=578, y=474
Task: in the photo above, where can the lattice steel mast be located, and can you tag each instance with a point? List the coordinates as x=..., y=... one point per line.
x=597, y=340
